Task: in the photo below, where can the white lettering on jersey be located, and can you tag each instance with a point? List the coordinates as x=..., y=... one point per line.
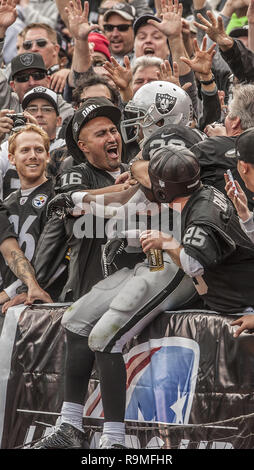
x=194, y=236
x=220, y=200
x=24, y=236
x=71, y=178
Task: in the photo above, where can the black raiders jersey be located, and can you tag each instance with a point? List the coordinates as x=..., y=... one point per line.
x=86, y=176
x=180, y=136
x=211, y=234
x=27, y=214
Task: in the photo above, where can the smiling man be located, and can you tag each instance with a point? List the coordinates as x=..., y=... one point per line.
x=118, y=28
x=26, y=207
x=41, y=105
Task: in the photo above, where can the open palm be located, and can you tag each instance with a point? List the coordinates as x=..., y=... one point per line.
x=8, y=13
x=78, y=20
x=121, y=76
x=202, y=60
x=171, y=24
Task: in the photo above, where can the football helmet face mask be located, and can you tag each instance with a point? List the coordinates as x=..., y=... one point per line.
x=156, y=104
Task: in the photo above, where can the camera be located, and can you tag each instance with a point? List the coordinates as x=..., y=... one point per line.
x=18, y=119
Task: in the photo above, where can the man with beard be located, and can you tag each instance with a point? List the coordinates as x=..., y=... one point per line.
x=93, y=139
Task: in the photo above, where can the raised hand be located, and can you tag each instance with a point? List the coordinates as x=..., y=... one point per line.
x=171, y=15
x=79, y=26
x=215, y=30
x=121, y=76
x=8, y=14
x=168, y=74
x=250, y=12
x=202, y=60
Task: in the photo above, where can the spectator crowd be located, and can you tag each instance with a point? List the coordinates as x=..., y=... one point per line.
x=105, y=107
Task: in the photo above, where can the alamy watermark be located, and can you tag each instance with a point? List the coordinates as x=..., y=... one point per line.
x=97, y=220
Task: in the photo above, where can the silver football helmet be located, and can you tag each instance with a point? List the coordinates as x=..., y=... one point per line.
x=156, y=104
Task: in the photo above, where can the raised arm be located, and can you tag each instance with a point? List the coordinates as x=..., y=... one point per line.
x=214, y=28
x=171, y=26
x=250, y=16
x=79, y=29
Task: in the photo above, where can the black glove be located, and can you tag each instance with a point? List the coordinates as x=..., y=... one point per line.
x=61, y=205
x=112, y=249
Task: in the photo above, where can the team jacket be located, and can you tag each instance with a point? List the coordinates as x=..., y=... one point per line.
x=211, y=233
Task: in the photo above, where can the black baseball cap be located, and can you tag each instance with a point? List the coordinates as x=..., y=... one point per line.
x=27, y=61
x=142, y=20
x=244, y=146
x=173, y=173
x=239, y=32
x=90, y=109
x=41, y=92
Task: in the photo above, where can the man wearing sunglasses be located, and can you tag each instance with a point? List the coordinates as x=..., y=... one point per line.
x=118, y=28
x=41, y=38
x=27, y=70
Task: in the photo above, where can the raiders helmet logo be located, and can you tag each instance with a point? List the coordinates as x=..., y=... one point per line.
x=26, y=59
x=164, y=102
x=40, y=89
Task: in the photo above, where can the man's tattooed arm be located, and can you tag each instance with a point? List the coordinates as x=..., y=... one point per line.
x=17, y=261
x=21, y=267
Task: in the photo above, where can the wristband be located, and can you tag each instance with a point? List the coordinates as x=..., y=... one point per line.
x=77, y=197
x=207, y=82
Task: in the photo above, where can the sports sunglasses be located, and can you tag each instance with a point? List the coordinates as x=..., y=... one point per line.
x=120, y=27
x=24, y=77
